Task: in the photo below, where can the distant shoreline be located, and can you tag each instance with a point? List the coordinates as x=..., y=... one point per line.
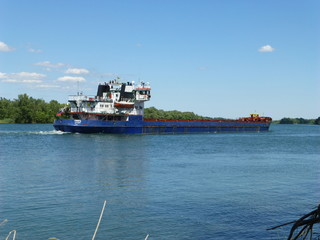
x=291, y=121
x=28, y=110
x=297, y=121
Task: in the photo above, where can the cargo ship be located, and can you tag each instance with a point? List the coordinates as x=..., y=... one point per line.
x=118, y=108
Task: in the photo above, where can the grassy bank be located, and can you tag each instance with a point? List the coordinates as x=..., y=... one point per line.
x=6, y=120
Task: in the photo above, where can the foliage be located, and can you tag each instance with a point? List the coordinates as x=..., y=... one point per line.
x=286, y=121
x=26, y=109
x=6, y=120
x=299, y=121
x=153, y=112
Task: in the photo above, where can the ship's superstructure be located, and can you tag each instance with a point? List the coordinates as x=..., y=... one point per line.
x=114, y=101
x=119, y=108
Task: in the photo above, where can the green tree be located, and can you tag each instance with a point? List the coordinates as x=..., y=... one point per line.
x=152, y=112
x=6, y=110
x=303, y=121
x=286, y=121
x=26, y=109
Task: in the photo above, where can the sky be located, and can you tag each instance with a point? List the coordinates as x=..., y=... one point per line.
x=211, y=57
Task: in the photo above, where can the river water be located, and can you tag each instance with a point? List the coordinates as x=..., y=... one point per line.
x=194, y=186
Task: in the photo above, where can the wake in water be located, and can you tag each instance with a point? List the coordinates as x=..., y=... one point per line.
x=53, y=132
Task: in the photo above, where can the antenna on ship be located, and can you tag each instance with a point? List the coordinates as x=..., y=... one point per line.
x=78, y=87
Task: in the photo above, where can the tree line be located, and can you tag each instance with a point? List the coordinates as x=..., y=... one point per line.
x=298, y=121
x=26, y=109
x=153, y=112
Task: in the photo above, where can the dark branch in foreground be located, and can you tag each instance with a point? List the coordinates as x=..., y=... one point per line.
x=303, y=227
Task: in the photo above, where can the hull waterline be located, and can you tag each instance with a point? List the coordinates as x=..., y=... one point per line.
x=156, y=127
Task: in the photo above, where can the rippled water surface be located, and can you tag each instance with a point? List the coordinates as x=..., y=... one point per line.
x=195, y=186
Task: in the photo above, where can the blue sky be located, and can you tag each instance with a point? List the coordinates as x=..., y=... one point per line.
x=215, y=58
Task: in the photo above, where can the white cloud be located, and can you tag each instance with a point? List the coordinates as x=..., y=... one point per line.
x=3, y=75
x=28, y=75
x=5, y=48
x=22, y=77
x=202, y=68
x=71, y=79
x=77, y=71
x=49, y=64
x=31, y=81
x=266, y=48
x=34, y=50
x=13, y=80
x=9, y=80
x=47, y=86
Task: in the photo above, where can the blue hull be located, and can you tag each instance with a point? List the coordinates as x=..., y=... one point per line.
x=136, y=125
